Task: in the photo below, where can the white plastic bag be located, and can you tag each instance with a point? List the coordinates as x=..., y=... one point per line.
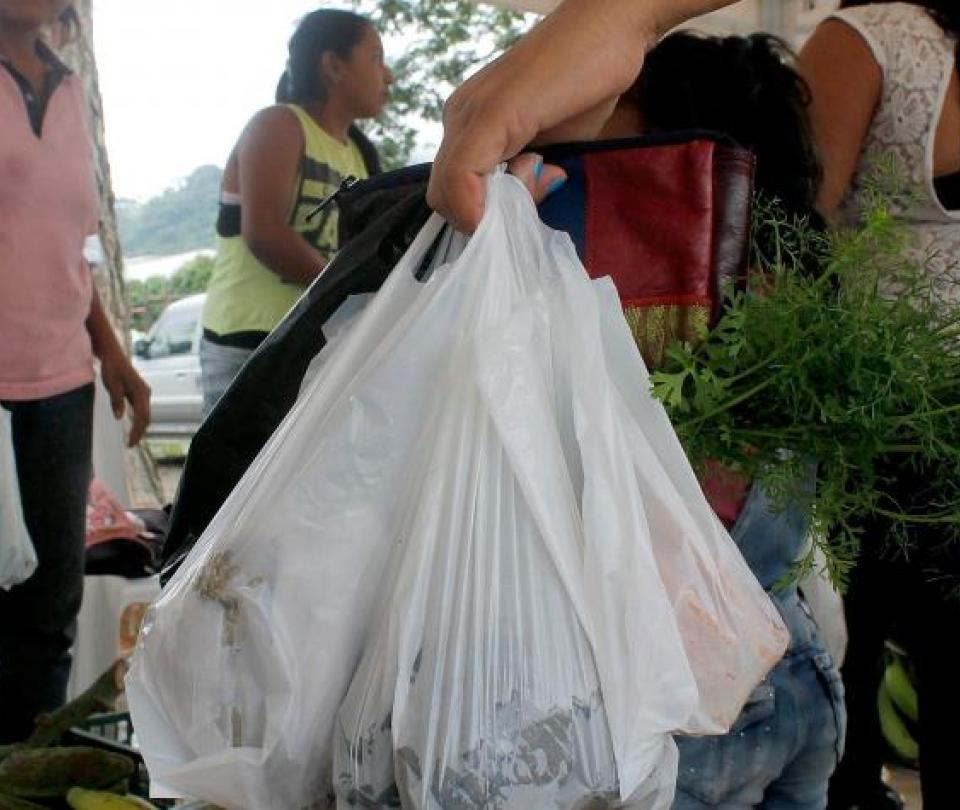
x=478, y=502
x=18, y=559
x=826, y=605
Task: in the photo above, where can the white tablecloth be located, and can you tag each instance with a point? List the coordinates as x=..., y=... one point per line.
x=99, y=640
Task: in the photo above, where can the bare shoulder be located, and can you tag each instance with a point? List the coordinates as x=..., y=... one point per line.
x=276, y=125
x=841, y=44
x=838, y=56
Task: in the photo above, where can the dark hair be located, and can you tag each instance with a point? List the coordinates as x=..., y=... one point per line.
x=745, y=87
x=320, y=31
x=945, y=12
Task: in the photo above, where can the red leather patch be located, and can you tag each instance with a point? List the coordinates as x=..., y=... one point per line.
x=649, y=222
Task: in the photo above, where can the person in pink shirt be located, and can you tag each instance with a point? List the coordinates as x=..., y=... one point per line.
x=52, y=325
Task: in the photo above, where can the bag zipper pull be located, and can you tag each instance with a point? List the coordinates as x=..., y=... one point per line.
x=348, y=183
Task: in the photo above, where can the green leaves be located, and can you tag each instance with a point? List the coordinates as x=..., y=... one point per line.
x=841, y=350
x=440, y=43
x=668, y=388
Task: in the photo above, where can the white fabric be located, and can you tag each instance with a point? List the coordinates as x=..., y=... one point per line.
x=99, y=639
x=109, y=454
x=826, y=605
x=917, y=59
x=18, y=560
x=478, y=502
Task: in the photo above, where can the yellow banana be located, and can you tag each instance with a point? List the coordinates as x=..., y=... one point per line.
x=81, y=799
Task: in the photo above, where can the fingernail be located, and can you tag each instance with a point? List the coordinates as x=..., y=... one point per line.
x=556, y=184
x=538, y=170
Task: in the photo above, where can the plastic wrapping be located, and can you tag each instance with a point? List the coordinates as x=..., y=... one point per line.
x=472, y=566
x=18, y=559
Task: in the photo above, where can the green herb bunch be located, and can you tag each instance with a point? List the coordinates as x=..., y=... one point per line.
x=843, y=351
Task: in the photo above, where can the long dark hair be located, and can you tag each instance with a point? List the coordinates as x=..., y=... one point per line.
x=747, y=88
x=945, y=12
x=319, y=32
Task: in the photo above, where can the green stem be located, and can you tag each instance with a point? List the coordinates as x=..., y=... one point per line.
x=732, y=403
x=944, y=518
x=935, y=412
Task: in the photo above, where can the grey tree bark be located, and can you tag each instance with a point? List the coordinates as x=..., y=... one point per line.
x=143, y=482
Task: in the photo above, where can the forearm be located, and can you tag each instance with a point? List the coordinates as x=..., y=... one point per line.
x=670, y=13
x=560, y=82
x=583, y=53
x=285, y=252
x=122, y=383
x=102, y=337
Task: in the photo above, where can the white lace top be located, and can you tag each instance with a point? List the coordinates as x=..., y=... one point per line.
x=917, y=59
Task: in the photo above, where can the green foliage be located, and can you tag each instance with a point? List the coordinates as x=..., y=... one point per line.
x=193, y=277
x=178, y=220
x=148, y=298
x=444, y=41
x=842, y=351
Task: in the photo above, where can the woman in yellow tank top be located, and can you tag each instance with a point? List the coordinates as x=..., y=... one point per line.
x=289, y=158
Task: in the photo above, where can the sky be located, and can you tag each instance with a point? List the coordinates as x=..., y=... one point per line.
x=180, y=78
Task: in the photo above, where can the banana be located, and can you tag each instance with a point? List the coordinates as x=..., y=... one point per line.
x=897, y=681
x=81, y=799
x=894, y=730
x=40, y=773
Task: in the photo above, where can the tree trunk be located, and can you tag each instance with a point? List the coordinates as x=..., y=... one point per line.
x=143, y=482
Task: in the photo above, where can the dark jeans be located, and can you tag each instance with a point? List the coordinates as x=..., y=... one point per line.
x=907, y=598
x=52, y=445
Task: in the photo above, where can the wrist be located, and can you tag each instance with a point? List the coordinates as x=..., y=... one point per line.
x=107, y=349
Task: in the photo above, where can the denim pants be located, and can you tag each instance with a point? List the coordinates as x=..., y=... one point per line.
x=219, y=365
x=52, y=446
x=783, y=748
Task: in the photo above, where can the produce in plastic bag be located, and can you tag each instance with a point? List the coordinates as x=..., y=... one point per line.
x=473, y=563
x=18, y=559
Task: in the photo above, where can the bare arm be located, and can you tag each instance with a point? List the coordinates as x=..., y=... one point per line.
x=560, y=81
x=268, y=157
x=845, y=82
x=120, y=378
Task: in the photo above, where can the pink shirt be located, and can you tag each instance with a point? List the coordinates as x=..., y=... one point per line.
x=48, y=206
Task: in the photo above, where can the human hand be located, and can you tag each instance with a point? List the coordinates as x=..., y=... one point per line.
x=124, y=385
x=560, y=82
x=541, y=179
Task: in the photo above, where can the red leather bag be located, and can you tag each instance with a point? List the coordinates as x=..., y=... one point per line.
x=666, y=217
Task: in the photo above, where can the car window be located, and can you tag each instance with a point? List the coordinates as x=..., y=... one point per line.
x=174, y=334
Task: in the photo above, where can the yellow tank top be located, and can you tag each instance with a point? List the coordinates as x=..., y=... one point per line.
x=245, y=296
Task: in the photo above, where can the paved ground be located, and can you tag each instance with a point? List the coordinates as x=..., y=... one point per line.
x=169, y=477
x=169, y=456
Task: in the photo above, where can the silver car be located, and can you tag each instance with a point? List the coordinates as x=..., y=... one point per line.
x=168, y=358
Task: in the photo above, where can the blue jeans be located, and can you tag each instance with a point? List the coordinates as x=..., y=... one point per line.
x=781, y=751
x=219, y=365
x=52, y=441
